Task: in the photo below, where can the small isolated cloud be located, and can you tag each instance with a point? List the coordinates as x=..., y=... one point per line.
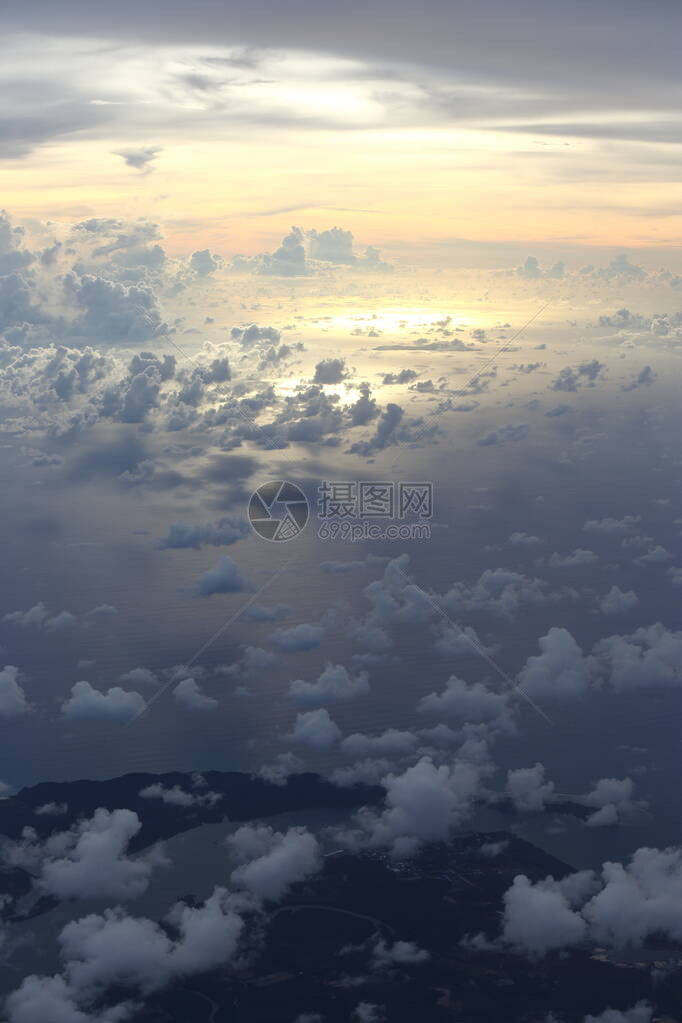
x=578, y=557
x=330, y=371
x=298, y=637
x=316, y=729
x=618, y=601
x=177, y=796
x=140, y=158
x=188, y=693
x=224, y=577
x=89, y=704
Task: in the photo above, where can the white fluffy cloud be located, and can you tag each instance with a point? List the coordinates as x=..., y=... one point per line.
x=188, y=693
x=270, y=862
x=89, y=704
x=624, y=904
x=528, y=790
x=316, y=729
x=90, y=859
x=224, y=577
x=422, y=804
x=466, y=702
x=560, y=670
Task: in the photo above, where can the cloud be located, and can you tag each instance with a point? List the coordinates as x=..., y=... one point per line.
x=90, y=859
x=422, y=804
x=224, y=577
x=528, y=790
x=298, y=637
x=571, y=379
x=177, y=796
x=188, y=693
x=225, y=531
x=391, y=742
x=140, y=158
x=270, y=862
x=400, y=953
x=649, y=656
x=498, y=591
x=611, y=526
x=560, y=670
x=330, y=371
x=204, y=263
x=334, y=685
x=316, y=729
x=113, y=312
x=13, y=700
x=140, y=677
x=89, y=704
x=539, y=918
x=305, y=252
x=575, y=559
x=467, y=702
x=392, y=428
x=640, y=1013
x=618, y=601
x=116, y=951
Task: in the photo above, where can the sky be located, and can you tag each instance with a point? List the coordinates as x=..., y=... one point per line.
x=425, y=260
x=501, y=122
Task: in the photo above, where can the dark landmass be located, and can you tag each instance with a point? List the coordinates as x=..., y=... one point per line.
x=317, y=957
x=244, y=798
x=313, y=952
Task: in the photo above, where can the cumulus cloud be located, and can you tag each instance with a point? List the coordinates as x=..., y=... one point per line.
x=330, y=371
x=422, y=804
x=12, y=696
x=316, y=729
x=89, y=704
x=560, y=670
x=498, y=590
x=539, y=918
x=188, y=693
x=467, y=702
x=90, y=859
x=334, y=685
x=622, y=905
x=224, y=577
x=618, y=601
x=391, y=742
x=114, y=951
x=298, y=637
x=270, y=862
x=528, y=790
